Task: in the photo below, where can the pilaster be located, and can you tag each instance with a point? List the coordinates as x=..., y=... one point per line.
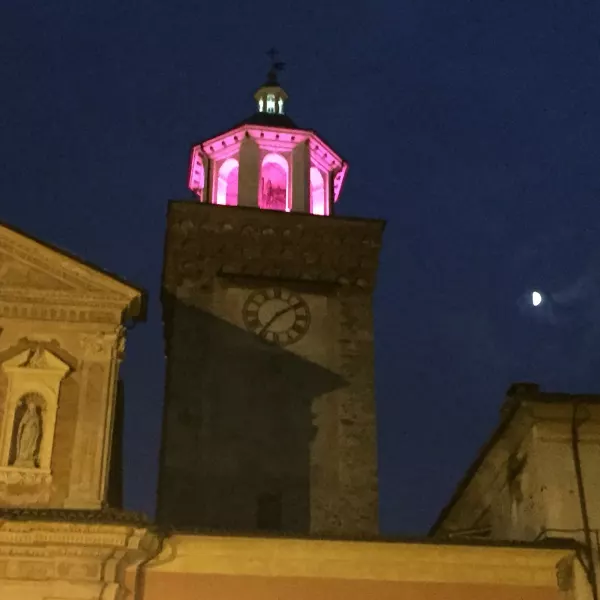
x=249, y=172
x=301, y=178
x=100, y=361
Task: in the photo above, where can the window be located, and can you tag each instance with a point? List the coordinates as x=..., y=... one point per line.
x=270, y=103
x=227, y=183
x=280, y=105
x=261, y=105
x=268, y=512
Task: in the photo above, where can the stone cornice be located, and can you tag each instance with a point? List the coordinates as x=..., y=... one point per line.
x=33, y=533
x=360, y=560
x=205, y=241
x=64, y=308
x=62, y=516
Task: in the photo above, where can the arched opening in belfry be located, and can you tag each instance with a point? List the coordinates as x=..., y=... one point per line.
x=317, y=192
x=273, y=187
x=227, y=183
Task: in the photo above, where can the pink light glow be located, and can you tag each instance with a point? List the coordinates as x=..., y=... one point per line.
x=196, y=179
x=199, y=179
x=227, y=183
x=273, y=186
x=317, y=192
x=219, y=156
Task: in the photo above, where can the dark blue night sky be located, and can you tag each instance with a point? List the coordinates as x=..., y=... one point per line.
x=472, y=127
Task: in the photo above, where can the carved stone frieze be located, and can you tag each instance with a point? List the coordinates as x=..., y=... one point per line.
x=16, y=476
x=63, y=538
x=79, y=570
x=47, y=567
x=56, y=551
x=207, y=240
x=29, y=496
x=74, y=553
x=17, y=308
x=31, y=570
x=71, y=520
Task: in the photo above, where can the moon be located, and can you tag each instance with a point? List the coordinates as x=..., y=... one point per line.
x=536, y=298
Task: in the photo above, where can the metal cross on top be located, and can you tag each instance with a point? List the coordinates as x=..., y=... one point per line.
x=276, y=65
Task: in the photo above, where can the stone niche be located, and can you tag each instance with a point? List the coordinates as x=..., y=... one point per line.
x=33, y=381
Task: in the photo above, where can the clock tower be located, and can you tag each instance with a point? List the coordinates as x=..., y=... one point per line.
x=269, y=416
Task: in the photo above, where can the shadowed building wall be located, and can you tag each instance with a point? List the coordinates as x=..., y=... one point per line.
x=268, y=429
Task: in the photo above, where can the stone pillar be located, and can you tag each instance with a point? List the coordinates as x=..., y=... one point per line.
x=344, y=489
x=301, y=178
x=249, y=173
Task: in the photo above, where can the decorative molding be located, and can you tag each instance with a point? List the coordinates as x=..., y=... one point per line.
x=36, y=358
x=58, y=551
x=67, y=554
x=46, y=308
x=80, y=538
x=362, y=560
x=80, y=518
x=22, y=476
x=39, y=495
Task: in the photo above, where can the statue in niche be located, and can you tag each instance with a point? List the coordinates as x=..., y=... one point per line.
x=27, y=433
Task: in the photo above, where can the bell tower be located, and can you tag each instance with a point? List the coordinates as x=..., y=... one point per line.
x=267, y=161
x=269, y=415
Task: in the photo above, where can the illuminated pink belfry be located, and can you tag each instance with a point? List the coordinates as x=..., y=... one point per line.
x=267, y=161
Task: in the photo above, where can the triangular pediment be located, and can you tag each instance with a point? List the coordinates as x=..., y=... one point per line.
x=36, y=269
x=18, y=274
x=36, y=359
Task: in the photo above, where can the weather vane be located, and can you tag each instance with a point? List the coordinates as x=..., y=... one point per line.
x=276, y=65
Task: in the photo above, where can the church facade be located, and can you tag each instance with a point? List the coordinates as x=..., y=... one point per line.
x=268, y=466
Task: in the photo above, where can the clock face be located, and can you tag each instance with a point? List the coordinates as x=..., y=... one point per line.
x=276, y=315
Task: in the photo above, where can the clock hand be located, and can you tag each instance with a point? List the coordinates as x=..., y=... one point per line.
x=276, y=316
